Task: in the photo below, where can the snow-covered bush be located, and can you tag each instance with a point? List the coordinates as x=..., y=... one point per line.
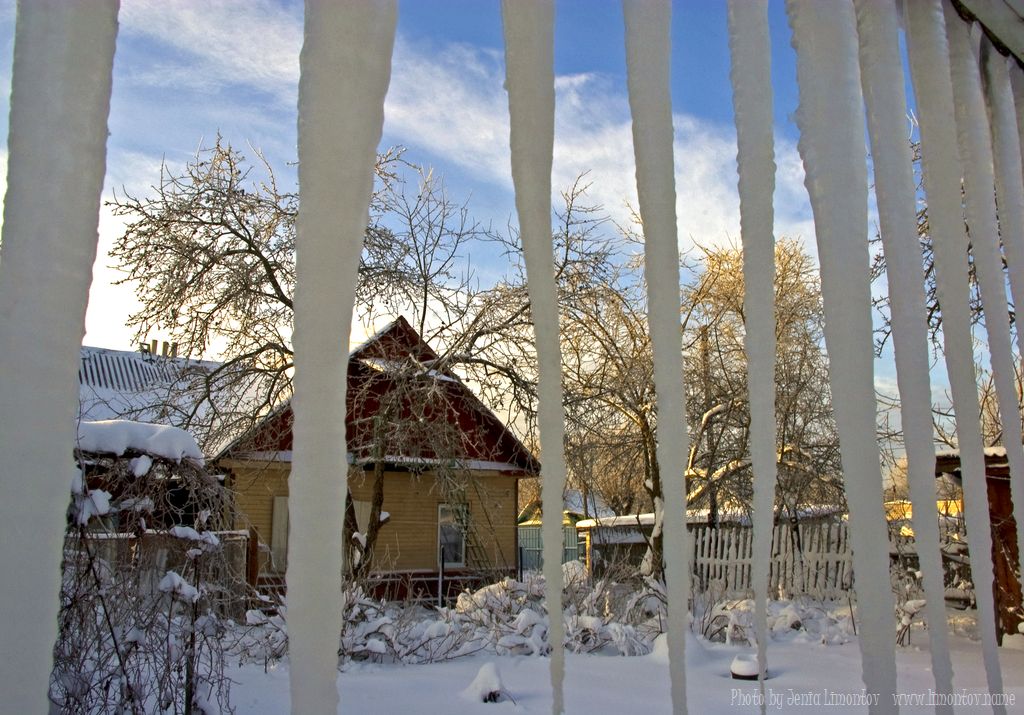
x=505, y=618
x=149, y=590
x=802, y=618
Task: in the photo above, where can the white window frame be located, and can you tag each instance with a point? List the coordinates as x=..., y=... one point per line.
x=446, y=517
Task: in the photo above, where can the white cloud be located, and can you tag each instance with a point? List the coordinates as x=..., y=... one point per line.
x=448, y=100
x=109, y=304
x=254, y=43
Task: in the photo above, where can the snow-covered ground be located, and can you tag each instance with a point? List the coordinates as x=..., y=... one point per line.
x=804, y=676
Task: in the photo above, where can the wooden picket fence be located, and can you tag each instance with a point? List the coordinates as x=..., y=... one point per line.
x=813, y=558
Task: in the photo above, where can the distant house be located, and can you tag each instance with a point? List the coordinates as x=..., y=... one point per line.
x=448, y=466
x=1005, y=552
x=143, y=385
x=623, y=540
x=574, y=508
x=131, y=406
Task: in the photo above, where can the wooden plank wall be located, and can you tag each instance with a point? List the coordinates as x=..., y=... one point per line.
x=409, y=541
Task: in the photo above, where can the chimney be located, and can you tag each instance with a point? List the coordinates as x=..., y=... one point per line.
x=174, y=350
x=152, y=346
x=166, y=351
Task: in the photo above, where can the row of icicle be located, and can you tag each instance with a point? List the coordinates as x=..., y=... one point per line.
x=848, y=61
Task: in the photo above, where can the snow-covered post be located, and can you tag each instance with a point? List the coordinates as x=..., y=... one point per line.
x=750, y=50
x=928, y=52
x=60, y=99
x=831, y=122
x=1010, y=200
x=530, y=80
x=883, y=83
x=345, y=71
x=648, y=59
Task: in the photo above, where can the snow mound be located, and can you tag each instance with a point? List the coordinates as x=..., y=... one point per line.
x=118, y=436
x=187, y=532
x=140, y=466
x=486, y=686
x=175, y=585
x=574, y=573
x=94, y=503
x=744, y=666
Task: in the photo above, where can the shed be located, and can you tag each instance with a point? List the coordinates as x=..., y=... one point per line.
x=1005, y=551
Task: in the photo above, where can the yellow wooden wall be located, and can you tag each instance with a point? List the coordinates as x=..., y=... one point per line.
x=408, y=542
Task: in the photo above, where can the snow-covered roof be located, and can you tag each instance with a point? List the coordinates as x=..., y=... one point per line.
x=114, y=384
x=370, y=339
x=617, y=521
x=118, y=436
x=693, y=516
x=700, y=516
x=573, y=500
x=486, y=442
x=997, y=451
x=627, y=520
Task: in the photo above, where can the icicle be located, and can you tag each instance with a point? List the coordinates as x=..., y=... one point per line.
x=1009, y=175
x=60, y=100
x=883, y=82
x=648, y=58
x=1010, y=200
x=530, y=80
x=1017, y=85
x=346, y=67
x=929, y=58
x=831, y=121
x=974, y=141
x=752, y=101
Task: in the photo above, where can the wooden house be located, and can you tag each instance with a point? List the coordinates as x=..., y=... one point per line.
x=575, y=507
x=1005, y=552
x=432, y=471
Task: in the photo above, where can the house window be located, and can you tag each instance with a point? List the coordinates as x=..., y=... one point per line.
x=452, y=520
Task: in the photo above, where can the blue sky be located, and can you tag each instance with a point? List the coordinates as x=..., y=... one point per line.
x=186, y=70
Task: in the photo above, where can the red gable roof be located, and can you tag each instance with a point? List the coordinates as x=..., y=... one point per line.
x=403, y=411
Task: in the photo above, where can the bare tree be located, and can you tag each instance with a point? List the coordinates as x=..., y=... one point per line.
x=211, y=253
x=608, y=372
x=934, y=309
x=719, y=471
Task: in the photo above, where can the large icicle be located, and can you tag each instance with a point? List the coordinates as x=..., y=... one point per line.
x=1017, y=85
x=1010, y=200
x=974, y=137
x=1006, y=148
x=940, y=162
x=530, y=80
x=883, y=83
x=60, y=99
x=750, y=49
x=346, y=68
x=831, y=122
x=648, y=58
